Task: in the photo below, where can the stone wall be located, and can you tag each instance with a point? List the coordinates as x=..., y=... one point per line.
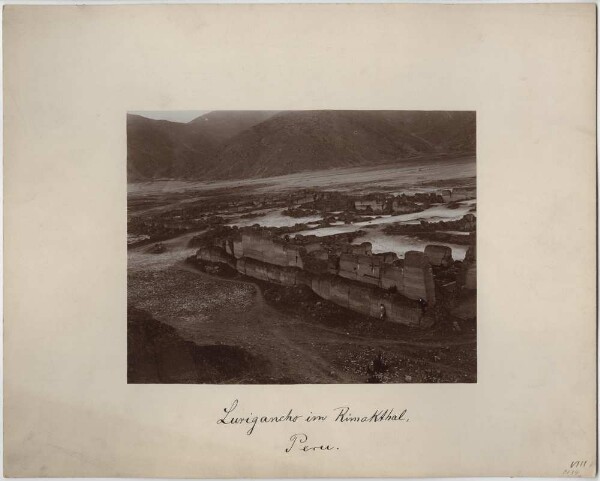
x=471, y=277
x=355, y=262
x=445, y=194
x=463, y=193
x=364, y=248
x=369, y=269
x=286, y=276
x=351, y=294
x=262, y=246
x=376, y=206
x=418, y=277
x=215, y=254
x=438, y=255
x=367, y=300
x=470, y=266
x=385, y=272
x=457, y=194
x=392, y=277
x=303, y=199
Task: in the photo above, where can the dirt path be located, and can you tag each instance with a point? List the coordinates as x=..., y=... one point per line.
x=211, y=310
x=288, y=338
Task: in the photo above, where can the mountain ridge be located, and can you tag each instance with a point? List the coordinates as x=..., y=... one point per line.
x=248, y=144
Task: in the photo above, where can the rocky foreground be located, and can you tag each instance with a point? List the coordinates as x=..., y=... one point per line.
x=192, y=334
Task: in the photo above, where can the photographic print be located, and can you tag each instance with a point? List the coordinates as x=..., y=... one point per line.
x=300, y=247
x=242, y=241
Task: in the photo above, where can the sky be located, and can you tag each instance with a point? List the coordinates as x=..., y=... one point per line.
x=172, y=115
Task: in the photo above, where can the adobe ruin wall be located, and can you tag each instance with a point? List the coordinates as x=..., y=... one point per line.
x=353, y=278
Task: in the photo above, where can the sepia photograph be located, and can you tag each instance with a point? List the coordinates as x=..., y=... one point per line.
x=300, y=247
x=242, y=241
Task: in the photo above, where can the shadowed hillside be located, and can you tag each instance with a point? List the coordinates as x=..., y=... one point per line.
x=222, y=125
x=230, y=145
x=159, y=148
x=313, y=140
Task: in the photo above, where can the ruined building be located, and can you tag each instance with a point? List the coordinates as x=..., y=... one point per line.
x=470, y=267
x=439, y=255
x=457, y=194
x=377, y=206
x=348, y=275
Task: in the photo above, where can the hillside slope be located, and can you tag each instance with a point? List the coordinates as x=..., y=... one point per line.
x=312, y=140
x=223, y=124
x=228, y=145
x=159, y=148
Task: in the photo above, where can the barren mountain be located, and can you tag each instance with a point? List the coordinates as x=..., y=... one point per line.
x=159, y=148
x=221, y=125
x=313, y=140
x=222, y=145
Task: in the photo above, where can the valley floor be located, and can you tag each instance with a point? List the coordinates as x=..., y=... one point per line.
x=187, y=326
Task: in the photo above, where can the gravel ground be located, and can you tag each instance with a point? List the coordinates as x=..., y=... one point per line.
x=291, y=342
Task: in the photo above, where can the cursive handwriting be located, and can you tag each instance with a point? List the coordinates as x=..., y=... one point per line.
x=344, y=416
x=299, y=442
x=253, y=420
x=234, y=414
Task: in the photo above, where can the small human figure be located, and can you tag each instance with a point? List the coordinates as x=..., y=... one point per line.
x=377, y=368
x=382, y=312
x=423, y=304
x=379, y=363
